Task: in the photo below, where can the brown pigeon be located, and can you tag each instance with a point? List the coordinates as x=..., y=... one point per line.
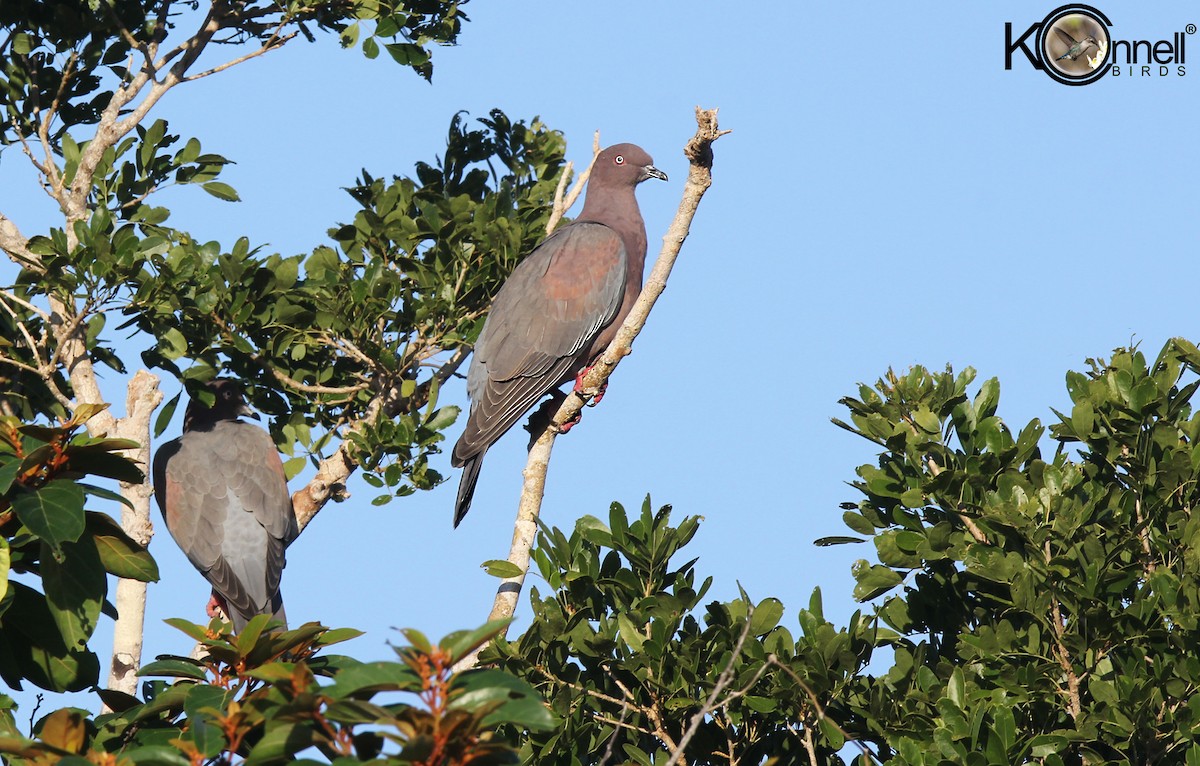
x=222, y=491
x=558, y=310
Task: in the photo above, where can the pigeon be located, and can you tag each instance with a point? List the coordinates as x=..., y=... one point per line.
x=224, y=496
x=558, y=310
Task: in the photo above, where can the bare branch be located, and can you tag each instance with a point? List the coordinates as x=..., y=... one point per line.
x=270, y=45
x=142, y=398
x=561, y=204
x=16, y=245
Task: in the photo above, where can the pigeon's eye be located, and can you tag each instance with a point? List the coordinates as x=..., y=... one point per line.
x=619, y=160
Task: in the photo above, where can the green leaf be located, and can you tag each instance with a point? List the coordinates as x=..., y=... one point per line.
x=119, y=553
x=104, y=494
x=100, y=460
x=461, y=643
x=165, y=414
x=766, y=616
x=174, y=668
x=9, y=468
x=282, y=740
x=75, y=588
x=221, y=190
x=873, y=580
x=858, y=523
x=501, y=568
x=5, y=563
x=54, y=512
x=629, y=633
x=364, y=679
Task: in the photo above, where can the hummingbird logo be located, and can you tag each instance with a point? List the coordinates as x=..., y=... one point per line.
x=1076, y=48
x=1074, y=45
x=1071, y=45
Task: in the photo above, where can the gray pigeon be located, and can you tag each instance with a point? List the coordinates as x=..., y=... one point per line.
x=224, y=496
x=558, y=310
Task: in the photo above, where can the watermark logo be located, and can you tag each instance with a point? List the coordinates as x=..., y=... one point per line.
x=1075, y=45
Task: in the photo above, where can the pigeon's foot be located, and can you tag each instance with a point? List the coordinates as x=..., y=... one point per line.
x=579, y=389
x=217, y=606
x=542, y=416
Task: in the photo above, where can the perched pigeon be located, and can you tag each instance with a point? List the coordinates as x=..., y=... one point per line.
x=222, y=491
x=558, y=310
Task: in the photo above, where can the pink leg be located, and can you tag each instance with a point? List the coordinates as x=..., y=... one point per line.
x=215, y=602
x=579, y=390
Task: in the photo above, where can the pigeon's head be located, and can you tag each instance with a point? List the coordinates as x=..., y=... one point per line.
x=228, y=405
x=625, y=164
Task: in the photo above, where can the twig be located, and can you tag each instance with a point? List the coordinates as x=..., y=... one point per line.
x=1061, y=654
x=333, y=471
x=710, y=704
x=610, y=747
x=699, y=153
x=563, y=204
x=967, y=521
x=816, y=703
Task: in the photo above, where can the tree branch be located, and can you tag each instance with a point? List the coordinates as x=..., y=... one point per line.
x=333, y=471
x=16, y=245
x=142, y=399
x=563, y=200
x=699, y=154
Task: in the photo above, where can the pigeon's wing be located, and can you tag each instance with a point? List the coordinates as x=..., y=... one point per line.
x=540, y=325
x=260, y=486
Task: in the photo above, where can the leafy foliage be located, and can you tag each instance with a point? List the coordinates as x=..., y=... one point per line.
x=263, y=696
x=46, y=533
x=1049, y=605
x=627, y=664
x=64, y=56
x=344, y=337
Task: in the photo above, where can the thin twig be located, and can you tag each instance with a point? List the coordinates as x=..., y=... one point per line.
x=710, y=704
x=816, y=703
x=563, y=204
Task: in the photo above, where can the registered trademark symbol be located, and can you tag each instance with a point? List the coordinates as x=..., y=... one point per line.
x=1190, y=29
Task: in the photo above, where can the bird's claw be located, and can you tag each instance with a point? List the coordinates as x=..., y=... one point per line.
x=590, y=397
x=216, y=606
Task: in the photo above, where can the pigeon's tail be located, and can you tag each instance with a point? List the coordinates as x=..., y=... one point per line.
x=466, y=486
x=277, y=613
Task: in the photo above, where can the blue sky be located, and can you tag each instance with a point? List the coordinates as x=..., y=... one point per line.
x=890, y=196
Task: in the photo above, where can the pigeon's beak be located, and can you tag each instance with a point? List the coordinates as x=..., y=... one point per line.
x=652, y=172
x=245, y=411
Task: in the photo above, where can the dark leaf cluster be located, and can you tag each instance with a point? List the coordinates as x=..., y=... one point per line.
x=1046, y=606
x=48, y=539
